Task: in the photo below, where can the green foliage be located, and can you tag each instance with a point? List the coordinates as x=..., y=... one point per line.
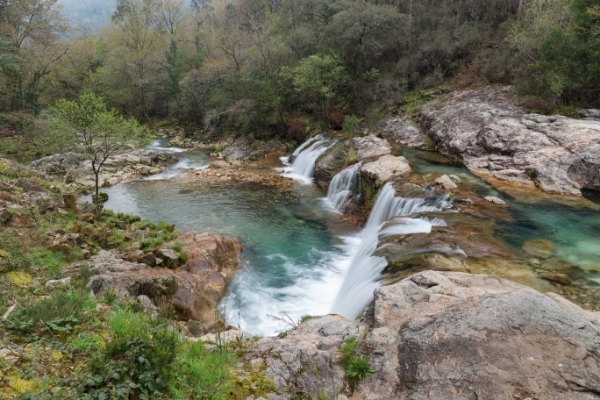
x=350, y=123
x=305, y=318
x=200, y=374
x=16, y=258
x=357, y=367
x=60, y=311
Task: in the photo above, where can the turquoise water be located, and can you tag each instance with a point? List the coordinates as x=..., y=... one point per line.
x=574, y=230
x=296, y=249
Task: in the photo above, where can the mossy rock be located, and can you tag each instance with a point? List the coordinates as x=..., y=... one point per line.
x=541, y=248
x=19, y=278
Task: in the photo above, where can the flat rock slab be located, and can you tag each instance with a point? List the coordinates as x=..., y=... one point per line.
x=402, y=131
x=370, y=147
x=492, y=136
x=386, y=168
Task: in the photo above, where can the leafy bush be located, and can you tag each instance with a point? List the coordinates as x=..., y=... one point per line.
x=349, y=124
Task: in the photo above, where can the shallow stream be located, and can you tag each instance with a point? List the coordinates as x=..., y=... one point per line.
x=296, y=249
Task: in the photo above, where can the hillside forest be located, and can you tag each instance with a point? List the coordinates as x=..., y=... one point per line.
x=271, y=68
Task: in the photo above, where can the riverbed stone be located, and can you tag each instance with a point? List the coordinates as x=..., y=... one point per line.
x=495, y=200
x=370, y=147
x=563, y=279
x=445, y=183
x=386, y=168
x=541, y=248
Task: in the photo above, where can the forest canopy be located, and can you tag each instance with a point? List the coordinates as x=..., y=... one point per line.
x=254, y=66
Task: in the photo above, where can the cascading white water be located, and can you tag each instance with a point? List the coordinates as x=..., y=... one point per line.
x=343, y=186
x=303, y=166
x=362, y=277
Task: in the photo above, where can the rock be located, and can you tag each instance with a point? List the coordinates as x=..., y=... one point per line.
x=563, y=279
x=541, y=248
x=220, y=164
x=223, y=338
x=134, y=255
x=370, y=147
x=30, y=185
x=494, y=137
x=443, y=335
x=170, y=257
x=247, y=148
x=147, y=304
x=54, y=283
x=21, y=220
x=495, y=200
x=87, y=217
x=331, y=162
x=70, y=202
x=590, y=113
x=8, y=355
x=401, y=130
x=148, y=258
x=194, y=289
x=386, y=168
x=445, y=183
x=5, y=216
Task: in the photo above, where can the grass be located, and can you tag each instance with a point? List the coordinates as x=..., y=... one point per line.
x=357, y=367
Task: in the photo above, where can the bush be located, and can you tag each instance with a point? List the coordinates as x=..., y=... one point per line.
x=349, y=124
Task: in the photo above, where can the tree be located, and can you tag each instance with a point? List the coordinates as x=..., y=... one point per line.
x=100, y=131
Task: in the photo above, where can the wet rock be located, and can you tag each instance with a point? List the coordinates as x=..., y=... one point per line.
x=445, y=183
x=331, y=162
x=370, y=147
x=559, y=278
x=386, y=168
x=220, y=164
x=495, y=138
x=402, y=131
x=541, y=248
x=495, y=200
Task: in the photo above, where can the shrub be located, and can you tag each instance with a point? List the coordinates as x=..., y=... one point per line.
x=349, y=124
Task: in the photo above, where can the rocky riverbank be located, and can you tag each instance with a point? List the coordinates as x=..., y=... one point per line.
x=75, y=169
x=443, y=335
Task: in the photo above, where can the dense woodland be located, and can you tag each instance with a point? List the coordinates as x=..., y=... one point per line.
x=271, y=67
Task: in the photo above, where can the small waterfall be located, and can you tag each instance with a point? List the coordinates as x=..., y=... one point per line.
x=362, y=277
x=343, y=185
x=304, y=158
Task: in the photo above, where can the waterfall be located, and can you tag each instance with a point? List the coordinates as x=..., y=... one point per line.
x=362, y=277
x=305, y=156
x=343, y=186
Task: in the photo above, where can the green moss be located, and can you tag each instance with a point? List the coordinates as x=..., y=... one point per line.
x=252, y=382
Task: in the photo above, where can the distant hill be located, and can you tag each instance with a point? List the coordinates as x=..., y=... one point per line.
x=94, y=13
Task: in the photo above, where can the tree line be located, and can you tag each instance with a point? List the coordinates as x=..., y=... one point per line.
x=268, y=66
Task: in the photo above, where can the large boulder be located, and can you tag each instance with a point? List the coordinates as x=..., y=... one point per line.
x=370, y=147
x=494, y=137
x=445, y=335
x=402, y=131
x=247, y=148
x=194, y=289
x=386, y=168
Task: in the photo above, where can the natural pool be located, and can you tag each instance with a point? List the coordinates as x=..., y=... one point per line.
x=297, y=250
